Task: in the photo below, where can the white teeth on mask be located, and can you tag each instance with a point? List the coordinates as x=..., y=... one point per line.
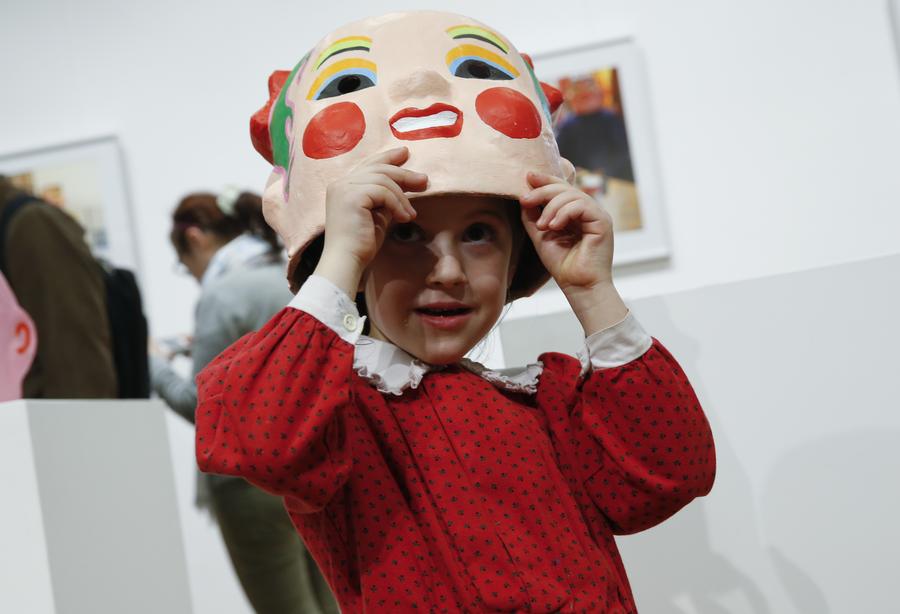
x=408, y=124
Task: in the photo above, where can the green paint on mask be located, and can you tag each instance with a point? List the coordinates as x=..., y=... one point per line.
x=540, y=92
x=281, y=112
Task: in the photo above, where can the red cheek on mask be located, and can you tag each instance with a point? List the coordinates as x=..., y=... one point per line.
x=510, y=112
x=333, y=131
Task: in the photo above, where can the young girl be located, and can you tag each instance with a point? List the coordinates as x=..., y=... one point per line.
x=421, y=481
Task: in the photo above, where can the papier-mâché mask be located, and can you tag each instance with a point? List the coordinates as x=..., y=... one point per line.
x=454, y=91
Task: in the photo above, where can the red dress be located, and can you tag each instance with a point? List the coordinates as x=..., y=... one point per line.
x=457, y=495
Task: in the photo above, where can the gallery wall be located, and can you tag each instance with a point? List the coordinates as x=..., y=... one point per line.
x=777, y=123
x=777, y=128
x=803, y=406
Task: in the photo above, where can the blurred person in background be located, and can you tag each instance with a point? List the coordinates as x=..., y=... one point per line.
x=225, y=244
x=58, y=282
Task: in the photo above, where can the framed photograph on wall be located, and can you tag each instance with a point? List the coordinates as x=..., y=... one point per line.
x=87, y=179
x=604, y=129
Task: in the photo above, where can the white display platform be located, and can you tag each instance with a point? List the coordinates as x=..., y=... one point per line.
x=799, y=377
x=88, y=520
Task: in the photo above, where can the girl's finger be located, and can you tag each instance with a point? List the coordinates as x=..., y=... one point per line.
x=529, y=221
x=390, y=184
x=586, y=216
x=382, y=219
x=394, y=157
x=537, y=180
x=408, y=180
x=543, y=194
x=571, y=211
x=555, y=204
x=384, y=198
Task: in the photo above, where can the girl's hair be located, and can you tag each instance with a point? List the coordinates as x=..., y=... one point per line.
x=306, y=266
x=202, y=210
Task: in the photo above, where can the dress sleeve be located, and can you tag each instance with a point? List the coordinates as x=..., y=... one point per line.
x=272, y=407
x=178, y=392
x=629, y=427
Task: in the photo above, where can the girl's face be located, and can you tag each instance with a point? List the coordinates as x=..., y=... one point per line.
x=439, y=283
x=202, y=245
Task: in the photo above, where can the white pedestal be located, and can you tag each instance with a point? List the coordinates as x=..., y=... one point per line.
x=88, y=518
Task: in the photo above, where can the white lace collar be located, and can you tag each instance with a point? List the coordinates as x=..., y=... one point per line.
x=391, y=370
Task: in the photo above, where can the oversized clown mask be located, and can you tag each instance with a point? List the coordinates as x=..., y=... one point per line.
x=455, y=92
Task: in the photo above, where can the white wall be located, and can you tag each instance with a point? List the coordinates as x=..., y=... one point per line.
x=797, y=374
x=778, y=122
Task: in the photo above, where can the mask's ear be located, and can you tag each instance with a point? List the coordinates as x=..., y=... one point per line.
x=553, y=95
x=259, y=121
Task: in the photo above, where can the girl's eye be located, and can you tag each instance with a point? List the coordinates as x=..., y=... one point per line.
x=479, y=69
x=479, y=233
x=344, y=84
x=406, y=233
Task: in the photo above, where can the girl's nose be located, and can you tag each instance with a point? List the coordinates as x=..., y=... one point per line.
x=420, y=84
x=447, y=271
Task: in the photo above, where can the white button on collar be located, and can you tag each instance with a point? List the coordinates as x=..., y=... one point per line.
x=350, y=322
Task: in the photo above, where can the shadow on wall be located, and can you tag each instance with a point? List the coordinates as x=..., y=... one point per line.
x=673, y=567
x=828, y=510
x=802, y=518
x=674, y=570
x=831, y=508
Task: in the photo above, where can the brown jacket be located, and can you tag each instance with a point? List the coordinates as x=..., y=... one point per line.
x=59, y=283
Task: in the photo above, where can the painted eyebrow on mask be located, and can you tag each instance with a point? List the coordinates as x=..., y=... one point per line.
x=348, y=43
x=485, y=36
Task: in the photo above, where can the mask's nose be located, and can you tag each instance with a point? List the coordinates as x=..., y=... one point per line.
x=419, y=84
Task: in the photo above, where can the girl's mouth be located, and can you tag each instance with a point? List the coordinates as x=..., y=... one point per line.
x=445, y=318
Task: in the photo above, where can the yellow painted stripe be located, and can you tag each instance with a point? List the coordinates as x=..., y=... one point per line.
x=336, y=68
x=457, y=30
x=464, y=50
x=347, y=41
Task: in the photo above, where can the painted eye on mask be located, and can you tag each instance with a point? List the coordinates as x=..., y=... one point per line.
x=343, y=78
x=474, y=62
x=478, y=69
x=344, y=85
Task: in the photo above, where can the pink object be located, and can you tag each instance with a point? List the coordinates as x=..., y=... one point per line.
x=458, y=94
x=18, y=343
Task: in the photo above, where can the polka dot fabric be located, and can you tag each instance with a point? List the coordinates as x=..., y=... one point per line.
x=456, y=496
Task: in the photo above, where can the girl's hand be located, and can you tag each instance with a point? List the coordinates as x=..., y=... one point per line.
x=573, y=237
x=358, y=209
x=571, y=232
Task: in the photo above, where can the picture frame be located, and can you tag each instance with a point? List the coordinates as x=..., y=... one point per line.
x=604, y=127
x=87, y=179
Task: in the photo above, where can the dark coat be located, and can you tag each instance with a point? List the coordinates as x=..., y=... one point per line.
x=59, y=283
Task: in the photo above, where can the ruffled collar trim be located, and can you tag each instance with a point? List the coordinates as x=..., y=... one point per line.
x=392, y=371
